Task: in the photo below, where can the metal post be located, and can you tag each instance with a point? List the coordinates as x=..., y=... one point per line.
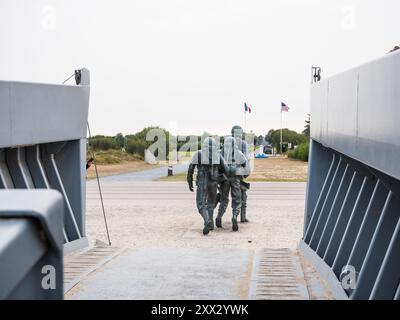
x=281, y=135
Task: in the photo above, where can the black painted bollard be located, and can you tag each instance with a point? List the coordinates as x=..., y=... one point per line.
x=170, y=171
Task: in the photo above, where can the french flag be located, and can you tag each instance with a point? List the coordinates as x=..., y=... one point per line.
x=247, y=108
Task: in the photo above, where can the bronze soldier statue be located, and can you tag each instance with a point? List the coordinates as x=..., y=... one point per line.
x=237, y=133
x=210, y=164
x=237, y=166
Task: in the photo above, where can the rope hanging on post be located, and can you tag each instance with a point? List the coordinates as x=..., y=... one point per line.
x=98, y=183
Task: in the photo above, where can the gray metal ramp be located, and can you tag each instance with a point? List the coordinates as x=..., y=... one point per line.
x=189, y=273
x=171, y=273
x=79, y=265
x=277, y=275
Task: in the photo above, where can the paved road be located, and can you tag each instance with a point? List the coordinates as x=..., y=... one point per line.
x=146, y=175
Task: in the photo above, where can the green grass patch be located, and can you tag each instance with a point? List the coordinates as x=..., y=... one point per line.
x=176, y=177
x=182, y=177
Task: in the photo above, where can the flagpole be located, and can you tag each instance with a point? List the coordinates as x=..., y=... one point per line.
x=281, y=134
x=245, y=122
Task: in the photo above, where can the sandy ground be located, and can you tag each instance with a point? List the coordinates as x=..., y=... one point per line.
x=271, y=169
x=279, y=169
x=154, y=214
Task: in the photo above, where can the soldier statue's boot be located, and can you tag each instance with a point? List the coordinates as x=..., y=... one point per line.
x=218, y=222
x=211, y=222
x=235, y=226
x=206, y=229
x=218, y=219
x=243, y=218
x=207, y=225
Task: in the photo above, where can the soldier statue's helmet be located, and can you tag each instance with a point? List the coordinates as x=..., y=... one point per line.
x=230, y=148
x=230, y=142
x=209, y=142
x=237, y=131
x=209, y=147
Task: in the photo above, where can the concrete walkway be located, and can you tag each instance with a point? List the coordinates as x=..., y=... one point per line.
x=171, y=273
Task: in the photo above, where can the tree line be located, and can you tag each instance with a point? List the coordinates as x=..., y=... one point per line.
x=136, y=144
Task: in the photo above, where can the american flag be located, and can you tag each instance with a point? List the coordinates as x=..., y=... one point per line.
x=284, y=107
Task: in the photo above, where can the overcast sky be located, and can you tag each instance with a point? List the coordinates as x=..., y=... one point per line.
x=190, y=65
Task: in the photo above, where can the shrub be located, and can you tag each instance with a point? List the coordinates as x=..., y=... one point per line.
x=113, y=156
x=137, y=143
x=103, y=143
x=120, y=140
x=136, y=146
x=288, y=136
x=301, y=152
